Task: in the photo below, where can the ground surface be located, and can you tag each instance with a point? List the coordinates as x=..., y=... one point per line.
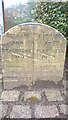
x=42, y=100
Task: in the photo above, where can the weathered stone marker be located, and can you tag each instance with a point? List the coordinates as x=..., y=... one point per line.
x=32, y=52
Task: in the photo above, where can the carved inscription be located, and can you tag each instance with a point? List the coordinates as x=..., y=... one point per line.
x=32, y=52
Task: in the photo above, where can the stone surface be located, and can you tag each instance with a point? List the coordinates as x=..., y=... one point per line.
x=65, y=92
x=0, y=85
x=12, y=84
x=20, y=111
x=53, y=95
x=3, y=110
x=65, y=84
x=31, y=52
x=46, y=111
x=10, y=96
x=0, y=76
x=64, y=109
x=34, y=96
x=0, y=109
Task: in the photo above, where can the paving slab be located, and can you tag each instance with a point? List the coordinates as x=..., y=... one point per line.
x=20, y=111
x=32, y=95
x=64, y=109
x=46, y=111
x=10, y=95
x=53, y=95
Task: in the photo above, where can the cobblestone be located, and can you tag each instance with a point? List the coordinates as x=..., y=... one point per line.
x=46, y=111
x=53, y=95
x=3, y=110
x=32, y=95
x=20, y=111
x=64, y=109
x=10, y=95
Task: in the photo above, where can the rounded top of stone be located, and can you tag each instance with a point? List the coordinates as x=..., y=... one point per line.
x=33, y=25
